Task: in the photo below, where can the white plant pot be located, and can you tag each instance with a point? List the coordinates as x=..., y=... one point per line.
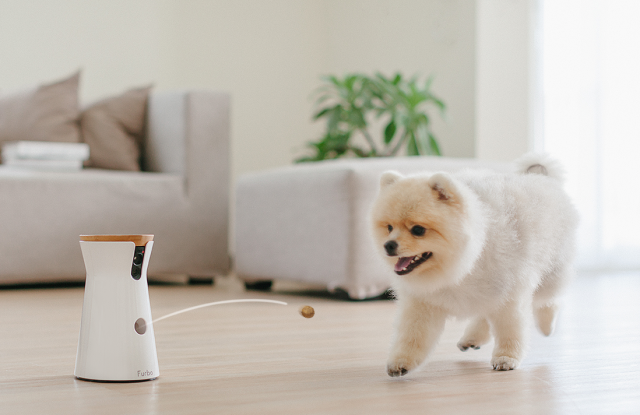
x=116, y=342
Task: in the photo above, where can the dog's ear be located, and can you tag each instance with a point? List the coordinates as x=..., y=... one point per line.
x=389, y=177
x=443, y=186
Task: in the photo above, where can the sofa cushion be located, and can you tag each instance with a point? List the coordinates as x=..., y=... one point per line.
x=45, y=113
x=114, y=129
x=54, y=208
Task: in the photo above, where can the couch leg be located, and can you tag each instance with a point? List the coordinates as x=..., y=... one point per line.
x=193, y=280
x=259, y=285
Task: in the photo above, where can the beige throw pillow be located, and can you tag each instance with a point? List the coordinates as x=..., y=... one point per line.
x=114, y=128
x=45, y=113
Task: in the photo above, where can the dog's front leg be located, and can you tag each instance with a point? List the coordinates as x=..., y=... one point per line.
x=419, y=327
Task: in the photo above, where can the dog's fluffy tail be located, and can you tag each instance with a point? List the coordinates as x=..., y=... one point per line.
x=540, y=163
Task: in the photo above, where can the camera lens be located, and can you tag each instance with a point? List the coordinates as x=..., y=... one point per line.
x=136, y=266
x=136, y=273
x=137, y=259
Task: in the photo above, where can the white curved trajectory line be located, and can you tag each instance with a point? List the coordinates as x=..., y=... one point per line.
x=217, y=303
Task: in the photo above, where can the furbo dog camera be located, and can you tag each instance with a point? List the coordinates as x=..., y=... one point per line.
x=116, y=343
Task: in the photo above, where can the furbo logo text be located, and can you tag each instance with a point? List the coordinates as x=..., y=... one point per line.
x=142, y=373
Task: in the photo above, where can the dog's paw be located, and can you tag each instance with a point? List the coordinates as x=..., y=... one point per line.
x=504, y=363
x=477, y=334
x=399, y=367
x=546, y=318
x=466, y=345
x=395, y=372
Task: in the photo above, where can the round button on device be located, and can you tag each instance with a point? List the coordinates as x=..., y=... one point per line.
x=140, y=326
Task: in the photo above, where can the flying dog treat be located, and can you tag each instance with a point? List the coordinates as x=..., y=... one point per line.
x=307, y=311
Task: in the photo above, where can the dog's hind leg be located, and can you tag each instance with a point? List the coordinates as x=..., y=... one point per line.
x=477, y=333
x=546, y=317
x=545, y=300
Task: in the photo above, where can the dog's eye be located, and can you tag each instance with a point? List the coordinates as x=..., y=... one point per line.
x=418, y=230
x=389, y=228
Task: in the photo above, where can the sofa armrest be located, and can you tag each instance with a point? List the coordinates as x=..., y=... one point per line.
x=164, y=148
x=173, y=116
x=188, y=134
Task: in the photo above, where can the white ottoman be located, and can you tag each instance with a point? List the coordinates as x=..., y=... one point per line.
x=310, y=222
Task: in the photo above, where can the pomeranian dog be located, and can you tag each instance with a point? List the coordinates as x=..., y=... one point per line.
x=496, y=248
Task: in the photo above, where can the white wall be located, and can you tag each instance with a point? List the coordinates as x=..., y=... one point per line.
x=114, y=43
x=508, y=104
x=269, y=56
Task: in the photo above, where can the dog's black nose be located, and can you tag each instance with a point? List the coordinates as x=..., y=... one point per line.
x=391, y=247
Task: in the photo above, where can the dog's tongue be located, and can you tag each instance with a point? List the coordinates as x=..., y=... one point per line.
x=402, y=263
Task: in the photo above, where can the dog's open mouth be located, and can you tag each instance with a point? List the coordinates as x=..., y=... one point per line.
x=407, y=264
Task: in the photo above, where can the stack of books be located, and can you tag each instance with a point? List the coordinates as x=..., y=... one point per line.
x=41, y=155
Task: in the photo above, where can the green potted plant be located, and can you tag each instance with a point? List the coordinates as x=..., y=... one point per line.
x=354, y=105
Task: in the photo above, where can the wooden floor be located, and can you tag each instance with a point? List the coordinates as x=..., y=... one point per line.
x=267, y=359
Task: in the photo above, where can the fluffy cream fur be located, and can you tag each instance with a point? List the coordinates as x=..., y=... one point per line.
x=476, y=244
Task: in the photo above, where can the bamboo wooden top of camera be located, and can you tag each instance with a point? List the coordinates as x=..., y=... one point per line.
x=139, y=240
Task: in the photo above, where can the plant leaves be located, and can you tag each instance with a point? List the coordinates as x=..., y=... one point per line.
x=334, y=118
x=389, y=131
x=412, y=148
x=322, y=112
x=439, y=104
x=422, y=140
x=348, y=103
x=433, y=145
x=356, y=117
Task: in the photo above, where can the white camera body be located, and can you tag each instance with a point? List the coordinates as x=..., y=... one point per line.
x=117, y=341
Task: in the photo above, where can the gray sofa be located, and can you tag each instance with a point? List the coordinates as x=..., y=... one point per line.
x=181, y=198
